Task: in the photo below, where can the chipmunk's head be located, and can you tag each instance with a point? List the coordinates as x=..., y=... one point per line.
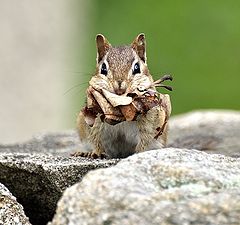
x=121, y=69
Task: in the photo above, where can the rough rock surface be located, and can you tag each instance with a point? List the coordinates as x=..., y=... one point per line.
x=216, y=131
x=171, y=186
x=11, y=212
x=38, y=180
x=58, y=144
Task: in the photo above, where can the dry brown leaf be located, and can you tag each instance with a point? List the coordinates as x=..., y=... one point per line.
x=110, y=114
x=116, y=100
x=117, y=108
x=128, y=111
x=166, y=104
x=145, y=103
x=89, y=115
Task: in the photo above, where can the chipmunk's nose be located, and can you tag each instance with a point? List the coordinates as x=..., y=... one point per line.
x=120, y=87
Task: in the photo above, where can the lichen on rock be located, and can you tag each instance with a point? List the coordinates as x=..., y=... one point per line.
x=170, y=186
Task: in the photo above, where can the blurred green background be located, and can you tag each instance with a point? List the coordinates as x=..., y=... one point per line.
x=197, y=42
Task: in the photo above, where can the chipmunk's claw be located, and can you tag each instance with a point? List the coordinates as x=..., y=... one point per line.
x=91, y=155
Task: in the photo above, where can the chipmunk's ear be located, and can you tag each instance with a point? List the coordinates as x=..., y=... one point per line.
x=102, y=46
x=139, y=45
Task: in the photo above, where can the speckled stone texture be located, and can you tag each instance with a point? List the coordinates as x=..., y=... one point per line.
x=170, y=186
x=55, y=143
x=38, y=180
x=11, y=212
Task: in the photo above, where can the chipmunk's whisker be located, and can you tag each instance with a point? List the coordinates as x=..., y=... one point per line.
x=75, y=86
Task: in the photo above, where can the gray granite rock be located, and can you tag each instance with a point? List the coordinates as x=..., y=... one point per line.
x=39, y=170
x=170, y=186
x=38, y=180
x=54, y=143
x=11, y=212
x=216, y=131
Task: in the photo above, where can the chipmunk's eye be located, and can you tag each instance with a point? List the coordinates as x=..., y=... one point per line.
x=104, y=69
x=136, y=68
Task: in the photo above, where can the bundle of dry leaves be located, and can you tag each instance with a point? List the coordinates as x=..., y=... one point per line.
x=115, y=108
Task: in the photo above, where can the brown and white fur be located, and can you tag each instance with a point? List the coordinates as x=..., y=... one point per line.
x=128, y=137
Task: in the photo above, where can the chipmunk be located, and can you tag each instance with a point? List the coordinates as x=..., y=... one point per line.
x=119, y=70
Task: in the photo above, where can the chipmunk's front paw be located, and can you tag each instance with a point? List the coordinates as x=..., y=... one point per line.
x=91, y=155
